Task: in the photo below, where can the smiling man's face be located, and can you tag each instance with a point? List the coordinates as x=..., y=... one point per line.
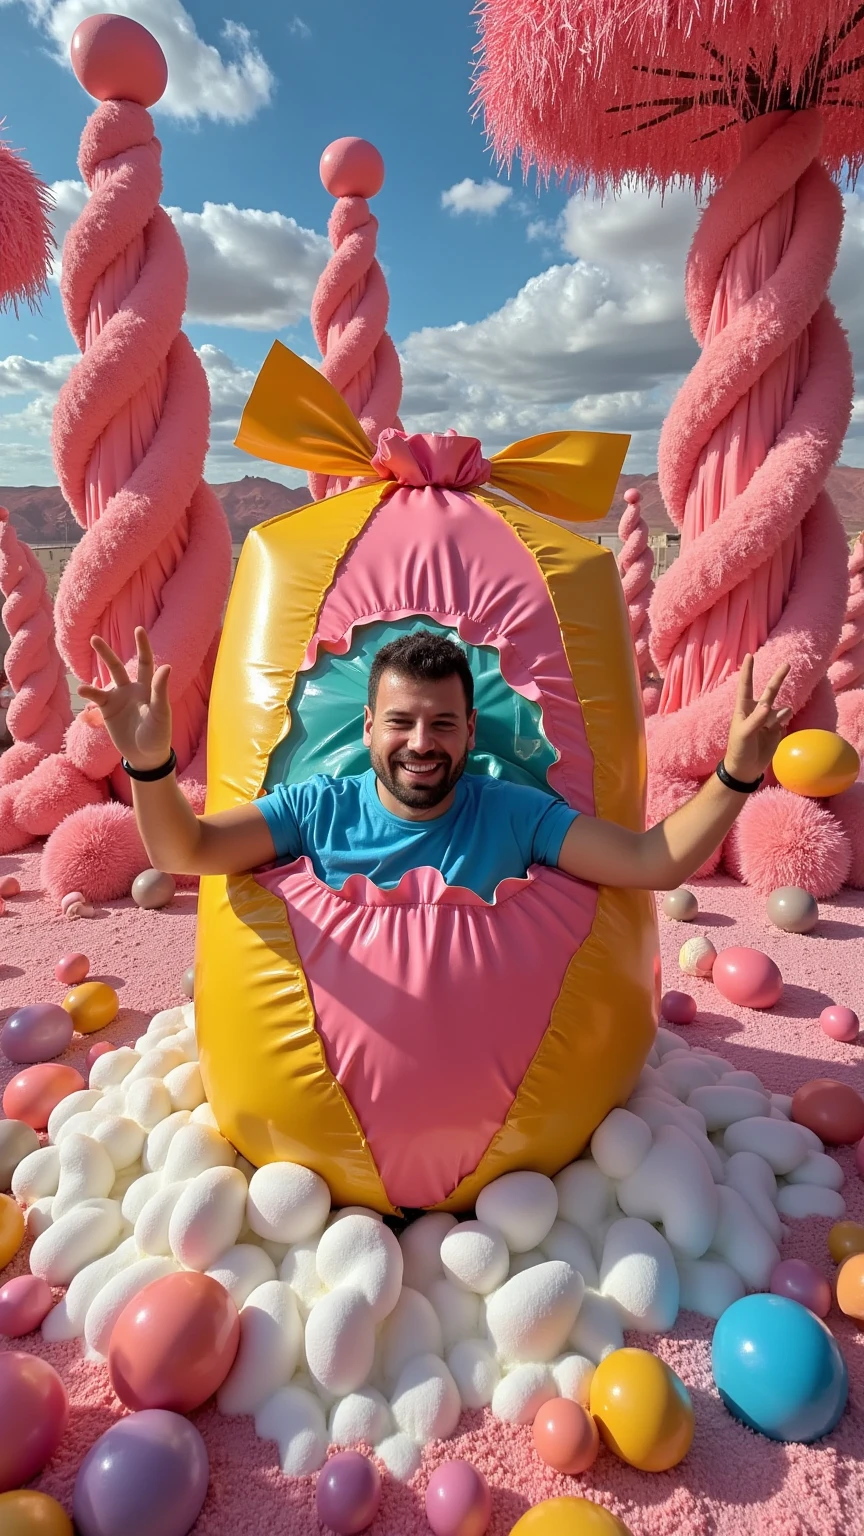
x=419, y=737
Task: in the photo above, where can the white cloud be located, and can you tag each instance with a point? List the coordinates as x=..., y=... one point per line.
x=480, y=197
x=230, y=85
x=297, y=27
x=247, y=268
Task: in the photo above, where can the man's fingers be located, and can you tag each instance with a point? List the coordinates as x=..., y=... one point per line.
x=144, y=652
x=745, y=686
x=159, y=691
x=118, y=674
x=94, y=695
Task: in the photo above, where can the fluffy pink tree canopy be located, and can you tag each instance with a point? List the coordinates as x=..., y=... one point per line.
x=26, y=242
x=605, y=90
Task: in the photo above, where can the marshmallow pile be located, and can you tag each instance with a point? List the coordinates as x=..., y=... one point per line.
x=350, y=1335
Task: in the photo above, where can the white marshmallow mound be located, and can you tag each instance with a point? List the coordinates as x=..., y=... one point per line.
x=585, y=1196
x=573, y=1375
x=340, y=1341
x=241, y=1269
x=459, y=1311
x=426, y=1403
x=566, y=1242
x=800, y=1200
x=475, y=1256
x=421, y=1249
x=722, y=1104
x=300, y=1269
x=295, y=1420
x=708, y=1286
x=818, y=1168
x=78, y=1238
x=638, y=1272
x=122, y=1139
x=676, y=1189
x=522, y=1206
x=620, y=1144
x=271, y=1338
x=207, y=1217
x=194, y=1149
x=413, y=1328
x=531, y=1316
x=364, y=1255
x=287, y=1203
x=37, y=1174
x=520, y=1394
x=400, y=1455
x=475, y=1371
x=599, y=1328
x=152, y=1224
x=66, y=1320
x=361, y=1418
x=778, y=1141
x=86, y=1173
x=160, y=1138
x=109, y=1302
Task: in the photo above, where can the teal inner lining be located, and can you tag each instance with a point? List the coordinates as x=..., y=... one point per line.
x=326, y=734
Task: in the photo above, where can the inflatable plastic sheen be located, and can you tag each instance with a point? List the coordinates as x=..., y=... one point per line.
x=411, y=1045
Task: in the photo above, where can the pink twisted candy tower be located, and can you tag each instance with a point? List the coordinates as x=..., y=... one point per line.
x=350, y=304
x=636, y=565
x=847, y=668
x=130, y=436
x=41, y=709
x=744, y=457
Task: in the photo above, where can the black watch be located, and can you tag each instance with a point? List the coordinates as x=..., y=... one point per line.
x=149, y=775
x=737, y=784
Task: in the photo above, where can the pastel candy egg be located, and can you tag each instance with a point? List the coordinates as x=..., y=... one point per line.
x=425, y=1402
x=816, y=763
x=678, y=1007
x=839, y=1023
x=34, y=1093
x=99, y=1048
x=11, y=1229
x=747, y=977
x=799, y=1281
x=792, y=910
x=850, y=1287
x=569, y=1517
x=187, y=983
x=174, y=1344
x=458, y=1500
x=148, y=1473
x=9, y=886
x=522, y=1206
x=287, y=1203
x=17, y=1141
x=476, y=1256
x=844, y=1239
x=566, y=1437
x=36, y=1033
x=153, y=889
x=72, y=969
x=348, y=1493
x=835, y=1111
x=779, y=1369
x=91, y=1006
x=681, y=905
x=697, y=956
x=643, y=1410
x=24, y=1303
x=531, y=1316
x=34, y=1411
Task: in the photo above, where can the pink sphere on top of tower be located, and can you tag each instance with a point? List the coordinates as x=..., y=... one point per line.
x=352, y=168
x=116, y=59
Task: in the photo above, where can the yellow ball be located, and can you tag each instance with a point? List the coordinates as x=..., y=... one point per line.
x=816, y=763
x=643, y=1410
x=11, y=1232
x=92, y=1005
x=569, y=1517
x=27, y=1513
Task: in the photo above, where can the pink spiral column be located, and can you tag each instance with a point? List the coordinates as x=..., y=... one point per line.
x=636, y=565
x=350, y=304
x=744, y=457
x=41, y=709
x=847, y=668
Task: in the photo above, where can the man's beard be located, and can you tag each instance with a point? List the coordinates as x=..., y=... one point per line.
x=415, y=792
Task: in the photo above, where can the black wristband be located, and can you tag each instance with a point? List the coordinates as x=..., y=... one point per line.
x=149, y=775
x=736, y=784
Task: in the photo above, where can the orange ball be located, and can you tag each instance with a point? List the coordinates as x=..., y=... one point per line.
x=25, y=1512
x=816, y=763
x=11, y=1232
x=569, y=1517
x=850, y=1287
x=643, y=1410
x=833, y=1110
x=565, y=1436
x=173, y=1345
x=844, y=1239
x=92, y=1005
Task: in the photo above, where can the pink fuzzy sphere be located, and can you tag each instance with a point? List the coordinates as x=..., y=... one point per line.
x=849, y=810
x=782, y=839
x=97, y=850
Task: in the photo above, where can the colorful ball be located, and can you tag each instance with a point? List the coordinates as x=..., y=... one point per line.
x=187, y=984
x=850, y=1287
x=27, y=1513
x=844, y=1239
x=72, y=969
x=678, y=1008
x=840, y=1023
x=116, y=59
x=681, y=905
x=100, y=1048
x=816, y=763
x=173, y=1345
x=348, y=1493
x=643, y=1410
x=696, y=957
x=24, y=1304
x=799, y=1281
x=747, y=977
x=352, y=168
x=779, y=1369
x=792, y=910
x=33, y=1414
x=9, y=886
x=565, y=1436
x=458, y=1500
x=33, y=1094
x=146, y=1476
x=569, y=1517
x=153, y=888
x=92, y=1005
x=11, y=1229
x=36, y=1032
x=833, y=1110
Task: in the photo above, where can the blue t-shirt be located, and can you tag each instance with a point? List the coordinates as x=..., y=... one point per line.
x=492, y=832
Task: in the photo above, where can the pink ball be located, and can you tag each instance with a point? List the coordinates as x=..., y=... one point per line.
x=97, y=1050
x=33, y=1413
x=9, y=886
x=678, y=1008
x=799, y=1281
x=116, y=59
x=631, y=495
x=37, y=1032
x=747, y=977
x=839, y=1023
x=72, y=969
x=458, y=1501
x=348, y=1493
x=33, y=1094
x=352, y=168
x=24, y=1303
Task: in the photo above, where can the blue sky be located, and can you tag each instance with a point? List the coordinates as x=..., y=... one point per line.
x=544, y=311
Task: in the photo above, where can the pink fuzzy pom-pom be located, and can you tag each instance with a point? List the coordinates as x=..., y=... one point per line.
x=97, y=850
x=850, y=718
x=26, y=243
x=781, y=839
x=849, y=810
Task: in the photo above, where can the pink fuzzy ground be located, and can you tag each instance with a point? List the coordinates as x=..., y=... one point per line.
x=733, y=1480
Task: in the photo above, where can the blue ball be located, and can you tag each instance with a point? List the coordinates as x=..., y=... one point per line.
x=779, y=1369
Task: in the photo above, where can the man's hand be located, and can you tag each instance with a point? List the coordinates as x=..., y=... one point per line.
x=137, y=715
x=757, y=727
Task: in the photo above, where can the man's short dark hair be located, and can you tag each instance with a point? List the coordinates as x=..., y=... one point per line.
x=425, y=657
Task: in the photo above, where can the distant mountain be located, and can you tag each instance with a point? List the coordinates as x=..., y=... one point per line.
x=40, y=515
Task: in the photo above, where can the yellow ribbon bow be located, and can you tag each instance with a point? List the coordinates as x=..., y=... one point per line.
x=294, y=416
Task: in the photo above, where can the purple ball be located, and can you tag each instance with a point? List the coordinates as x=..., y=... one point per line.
x=799, y=1281
x=146, y=1476
x=348, y=1493
x=38, y=1032
x=678, y=1008
x=458, y=1501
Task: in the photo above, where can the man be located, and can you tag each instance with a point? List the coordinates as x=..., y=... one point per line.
x=416, y=806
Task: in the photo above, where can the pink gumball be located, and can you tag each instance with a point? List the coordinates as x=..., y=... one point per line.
x=747, y=977
x=352, y=168
x=24, y=1303
x=9, y=886
x=678, y=1008
x=37, y=1090
x=97, y=1050
x=33, y=1414
x=458, y=1501
x=802, y=1283
x=70, y=899
x=116, y=59
x=72, y=969
x=348, y=1493
x=839, y=1023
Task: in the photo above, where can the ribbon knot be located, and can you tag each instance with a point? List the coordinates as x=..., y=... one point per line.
x=431, y=458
